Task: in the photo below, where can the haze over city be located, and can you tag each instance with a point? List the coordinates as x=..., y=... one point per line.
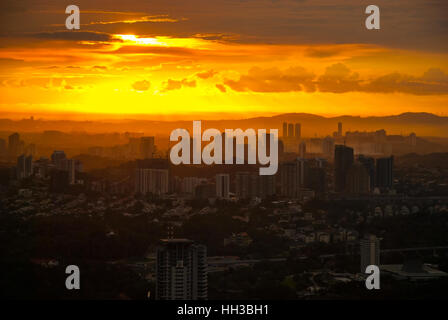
x=341, y=192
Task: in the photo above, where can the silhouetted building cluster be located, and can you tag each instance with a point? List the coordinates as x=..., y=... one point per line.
x=362, y=176
x=292, y=133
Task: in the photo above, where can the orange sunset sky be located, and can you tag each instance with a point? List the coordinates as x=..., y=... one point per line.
x=177, y=59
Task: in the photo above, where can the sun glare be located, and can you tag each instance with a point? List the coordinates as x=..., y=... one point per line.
x=196, y=43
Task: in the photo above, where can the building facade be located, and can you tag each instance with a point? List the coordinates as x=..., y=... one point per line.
x=181, y=270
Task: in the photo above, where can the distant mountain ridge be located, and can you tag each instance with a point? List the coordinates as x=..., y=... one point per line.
x=422, y=123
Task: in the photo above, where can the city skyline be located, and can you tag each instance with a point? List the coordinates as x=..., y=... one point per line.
x=139, y=58
x=223, y=150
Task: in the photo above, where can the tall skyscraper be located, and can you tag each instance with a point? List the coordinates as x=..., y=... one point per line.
x=343, y=159
x=328, y=146
x=134, y=147
x=222, y=186
x=181, y=270
x=147, y=148
x=292, y=134
x=339, y=129
x=358, y=179
x=385, y=172
x=288, y=179
x=155, y=181
x=290, y=130
x=58, y=158
x=369, y=164
x=302, y=168
x=14, y=144
x=298, y=131
x=316, y=179
x=24, y=166
x=370, y=252
x=292, y=177
x=71, y=168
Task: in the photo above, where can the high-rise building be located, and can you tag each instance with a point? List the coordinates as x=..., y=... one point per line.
x=369, y=164
x=134, y=147
x=14, y=144
x=370, y=252
x=292, y=177
x=339, y=129
x=58, y=158
x=42, y=167
x=290, y=130
x=155, y=181
x=24, y=166
x=328, y=146
x=288, y=179
x=302, y=149
x=358, y=179
x=298, y=131
x=385, y=172
x=343, y=159
x=302, y=168
x=71, y=168
x=285, y=129
x=316, y=180
x=222, y=186
x=147, y=148
x=181, y=270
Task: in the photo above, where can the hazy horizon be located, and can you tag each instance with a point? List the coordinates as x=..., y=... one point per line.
x=15, y=116
x=173, y=61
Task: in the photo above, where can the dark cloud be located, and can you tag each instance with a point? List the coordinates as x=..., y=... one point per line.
x=338, y=78
x=75, y=36
x=410, y=24
x=321, y=53
x=155, y=50
x=217, y=36
x=432, y=82
x=273, y=80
